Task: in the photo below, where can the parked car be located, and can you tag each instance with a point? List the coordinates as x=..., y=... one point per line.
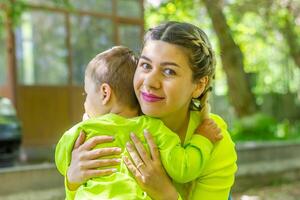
x=10, y=133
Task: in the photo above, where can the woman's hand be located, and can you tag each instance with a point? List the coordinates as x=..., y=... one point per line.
x=85, y=160
x=148, y=170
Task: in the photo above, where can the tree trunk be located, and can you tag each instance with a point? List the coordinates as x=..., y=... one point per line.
x=291, y=38
x=240, y=93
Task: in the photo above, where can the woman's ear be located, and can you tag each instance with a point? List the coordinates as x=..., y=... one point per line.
x=105, y=92
x=200, y=86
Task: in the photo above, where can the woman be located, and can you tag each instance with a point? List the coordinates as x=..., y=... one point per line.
x=173, y=77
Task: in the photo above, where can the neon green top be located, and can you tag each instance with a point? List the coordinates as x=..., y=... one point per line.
x=183, y=164
x=217, y=177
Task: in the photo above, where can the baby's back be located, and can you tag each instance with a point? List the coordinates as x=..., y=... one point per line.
x=119, y=185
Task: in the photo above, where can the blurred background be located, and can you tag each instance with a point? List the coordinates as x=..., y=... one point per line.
x=46, y=44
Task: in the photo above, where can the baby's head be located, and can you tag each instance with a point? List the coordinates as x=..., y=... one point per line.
x=109, y=81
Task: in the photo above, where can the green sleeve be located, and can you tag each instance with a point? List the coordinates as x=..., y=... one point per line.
x=63, y=152
x=179, y=197
x=184, y=164
x=70, y=195
x=218, y=175
x=64, y=147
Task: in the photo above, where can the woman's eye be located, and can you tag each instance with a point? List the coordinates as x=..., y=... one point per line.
x=145, y=66
x=169, y=71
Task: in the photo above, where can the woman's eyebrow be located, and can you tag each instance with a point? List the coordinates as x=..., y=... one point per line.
x=169, y=63
x=146, y=58
x=162, y=64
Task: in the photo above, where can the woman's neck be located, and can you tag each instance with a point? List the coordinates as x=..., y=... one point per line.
x=178, y=124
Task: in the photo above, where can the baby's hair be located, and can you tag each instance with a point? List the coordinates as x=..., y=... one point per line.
x=116, y=67
x=198, y=49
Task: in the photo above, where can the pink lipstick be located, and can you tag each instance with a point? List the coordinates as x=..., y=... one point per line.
x=150, y=97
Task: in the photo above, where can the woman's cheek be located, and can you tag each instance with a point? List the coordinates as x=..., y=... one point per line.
x=137, y=81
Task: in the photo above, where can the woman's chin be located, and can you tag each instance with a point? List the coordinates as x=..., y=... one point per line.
x=152, y=112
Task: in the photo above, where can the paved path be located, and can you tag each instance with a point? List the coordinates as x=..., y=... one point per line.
x=280, y=192
x=289, y=191
x=50, y=194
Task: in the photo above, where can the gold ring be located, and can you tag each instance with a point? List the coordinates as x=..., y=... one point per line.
x=139, y=165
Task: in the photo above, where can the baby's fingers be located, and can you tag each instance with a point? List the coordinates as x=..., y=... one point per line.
x=219, y=137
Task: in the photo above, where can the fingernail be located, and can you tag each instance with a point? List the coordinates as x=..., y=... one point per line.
x=128, y=144
x=145, y=132
x=132, y=135
x=118, y=160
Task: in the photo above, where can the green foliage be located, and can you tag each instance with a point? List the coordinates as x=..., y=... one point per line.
x=264, y=46
x=176, y=10
x=263, y=127
x=13, y=10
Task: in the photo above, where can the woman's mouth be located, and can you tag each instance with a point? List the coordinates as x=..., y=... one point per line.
x=150, y=97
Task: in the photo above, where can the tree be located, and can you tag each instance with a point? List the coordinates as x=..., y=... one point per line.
x=288, y=27
x=232, y=60
x=280, y=16
x=269, y=34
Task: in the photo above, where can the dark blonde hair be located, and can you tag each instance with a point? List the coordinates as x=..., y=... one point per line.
x=198, y=48
x=116, y=67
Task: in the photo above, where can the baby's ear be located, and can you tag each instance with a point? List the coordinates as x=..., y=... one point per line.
x=105, y=91
x=200, y=86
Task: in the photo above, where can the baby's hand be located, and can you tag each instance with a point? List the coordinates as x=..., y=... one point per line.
x=209, y=129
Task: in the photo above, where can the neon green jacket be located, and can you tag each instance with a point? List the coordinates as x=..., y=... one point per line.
x=217, y=177
x=183, y=164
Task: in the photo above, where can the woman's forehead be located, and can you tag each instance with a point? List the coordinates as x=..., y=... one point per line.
x=160, y=51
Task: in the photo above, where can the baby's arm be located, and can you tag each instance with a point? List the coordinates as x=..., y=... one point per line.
x=209, y=129
x=184, y=164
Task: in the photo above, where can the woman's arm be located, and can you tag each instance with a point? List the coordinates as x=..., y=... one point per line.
x=148, y=170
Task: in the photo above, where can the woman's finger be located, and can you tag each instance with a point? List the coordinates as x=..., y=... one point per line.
x=92, y=164
x=137, y=161
x=153, y=147
x=80, y=140
x=140, y=148
x=97, y=153
x=92, y=142
x=132, y=168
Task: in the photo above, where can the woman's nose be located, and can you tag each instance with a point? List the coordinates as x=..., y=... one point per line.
x=152, y=80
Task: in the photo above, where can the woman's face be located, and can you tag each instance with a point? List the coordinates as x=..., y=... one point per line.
x=163, y=80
